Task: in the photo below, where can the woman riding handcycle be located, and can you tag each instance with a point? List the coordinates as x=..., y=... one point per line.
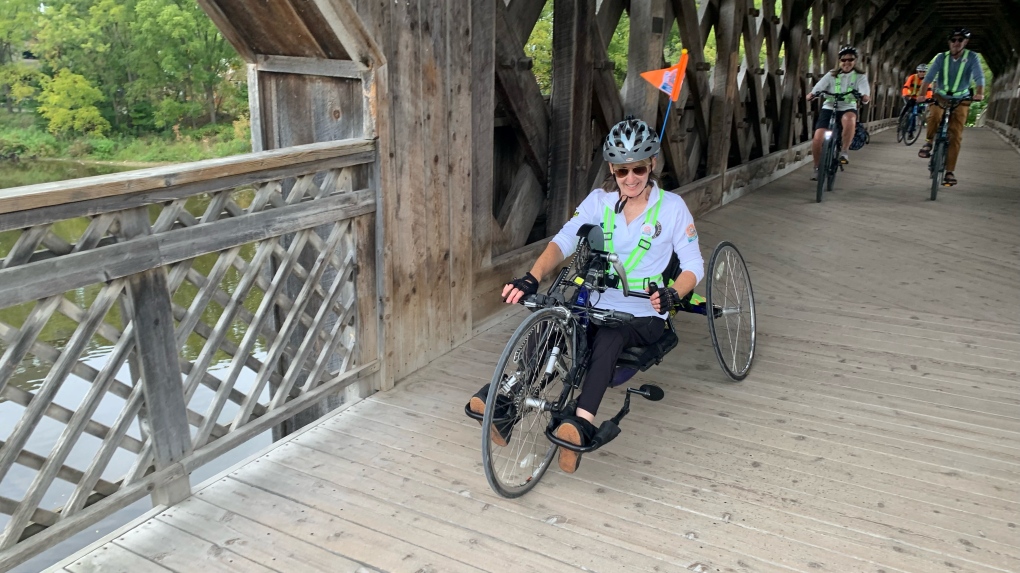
x=622, y=236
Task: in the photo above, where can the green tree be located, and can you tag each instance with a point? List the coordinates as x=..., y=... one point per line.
x=17, y=26
x=93, y=38
x=182, y=49
x=68, y=102
x=539, y=49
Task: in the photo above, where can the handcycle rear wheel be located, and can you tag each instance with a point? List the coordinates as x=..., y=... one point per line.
x=530, y=375
x=731, y=318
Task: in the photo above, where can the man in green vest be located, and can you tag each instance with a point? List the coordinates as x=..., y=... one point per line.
x=953, y=73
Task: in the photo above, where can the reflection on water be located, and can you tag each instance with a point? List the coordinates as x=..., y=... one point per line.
x=29, y=172
x=32, y=371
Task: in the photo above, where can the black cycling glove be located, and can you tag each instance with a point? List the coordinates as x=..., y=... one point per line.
x=527, y=284
x=669, y=299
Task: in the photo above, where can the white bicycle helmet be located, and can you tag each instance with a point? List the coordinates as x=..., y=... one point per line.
x=922, y=68
x=630, y=140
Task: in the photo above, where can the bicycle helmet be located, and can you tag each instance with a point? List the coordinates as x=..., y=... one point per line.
x=922, y=68
x=630, y=140
x=848, y=50
x=959, y=32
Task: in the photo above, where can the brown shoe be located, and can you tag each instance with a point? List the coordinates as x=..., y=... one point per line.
x=925, y=151
x=949, y=180
x=579, y=432
x=505, y=415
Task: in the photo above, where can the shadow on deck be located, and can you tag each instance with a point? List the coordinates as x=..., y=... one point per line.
x=878, y=429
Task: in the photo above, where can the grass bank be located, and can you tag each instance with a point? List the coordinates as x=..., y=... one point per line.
x=21, y=136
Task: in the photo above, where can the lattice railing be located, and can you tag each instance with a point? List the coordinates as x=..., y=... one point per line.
x=155, y=319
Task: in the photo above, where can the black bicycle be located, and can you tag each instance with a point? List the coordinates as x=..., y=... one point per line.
x=829, y=163
x=911, y=124
x=544, y=363
x=940, y=147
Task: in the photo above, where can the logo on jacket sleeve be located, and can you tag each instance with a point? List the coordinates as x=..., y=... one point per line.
x=692, y=233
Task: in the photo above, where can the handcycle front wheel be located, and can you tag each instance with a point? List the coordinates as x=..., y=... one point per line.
x=730, y=304
x=526, y=386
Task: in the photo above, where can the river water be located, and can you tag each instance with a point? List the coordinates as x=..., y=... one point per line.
x=32, y=371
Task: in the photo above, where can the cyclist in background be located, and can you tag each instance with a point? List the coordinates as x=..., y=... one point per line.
x=953, y=73
x=912, y=89
x=842, y=80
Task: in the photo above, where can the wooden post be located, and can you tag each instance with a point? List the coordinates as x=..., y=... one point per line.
x=483, y=109
x=724, y=85
x=571, y=108
x=156, y=352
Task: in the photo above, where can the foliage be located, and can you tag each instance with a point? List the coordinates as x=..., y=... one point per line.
x=539, y=49
x=68, y=102
x=157, y=63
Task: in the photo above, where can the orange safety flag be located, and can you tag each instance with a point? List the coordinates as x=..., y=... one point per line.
x=670, y=79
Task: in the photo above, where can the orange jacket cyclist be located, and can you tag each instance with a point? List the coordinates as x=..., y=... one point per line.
x=953, y=73
x=912, y=89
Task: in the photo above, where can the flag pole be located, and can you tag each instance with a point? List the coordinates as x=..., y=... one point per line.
x=665, y=119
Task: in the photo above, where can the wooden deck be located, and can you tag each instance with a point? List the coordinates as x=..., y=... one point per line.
x=879, y=429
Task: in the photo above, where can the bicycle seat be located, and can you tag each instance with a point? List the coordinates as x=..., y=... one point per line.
x=640, y=358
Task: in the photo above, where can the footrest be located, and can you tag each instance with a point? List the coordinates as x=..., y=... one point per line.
x=607, y=432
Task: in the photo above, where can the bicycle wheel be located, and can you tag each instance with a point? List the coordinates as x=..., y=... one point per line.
x=902, y=127
x=830, y=179
x=938, y=167
x=823, y=169
x=525, y=386
x=913, y=135
x=731, y=320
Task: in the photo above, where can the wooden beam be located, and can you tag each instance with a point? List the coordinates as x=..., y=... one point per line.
x=131, y=182
x=647, y=23
x=483, y=108
x=524, y=14
x=571, y=108
x=520, y=209
x=226, y=27
x=310, y=66
x=345, y=22
x=724, y=84
x=521, y=95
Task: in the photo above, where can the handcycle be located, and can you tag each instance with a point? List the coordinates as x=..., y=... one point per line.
x=543, y=365
x=940, y=147
x=833, y=144
x=911, y=124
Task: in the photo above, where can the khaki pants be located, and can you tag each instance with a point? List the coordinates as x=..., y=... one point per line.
x=956, y=123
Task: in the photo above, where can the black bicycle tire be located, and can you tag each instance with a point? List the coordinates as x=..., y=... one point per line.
x=901, y=127
x=830, y=178
x=917, y=131
x=939, y=155
x=822, y=169
x=709, y=303
x=487, y=461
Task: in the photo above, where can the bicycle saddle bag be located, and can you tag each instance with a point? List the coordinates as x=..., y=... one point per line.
x=860, y=137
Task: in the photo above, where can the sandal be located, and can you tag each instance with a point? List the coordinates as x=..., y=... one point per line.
x=925, y=151
x=949, y=180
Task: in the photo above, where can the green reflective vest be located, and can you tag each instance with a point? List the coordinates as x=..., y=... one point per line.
x=609, y=223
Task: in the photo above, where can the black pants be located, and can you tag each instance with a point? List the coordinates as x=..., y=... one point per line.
x=606, y=349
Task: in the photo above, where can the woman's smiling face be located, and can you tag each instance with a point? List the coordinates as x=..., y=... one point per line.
x=632, y=177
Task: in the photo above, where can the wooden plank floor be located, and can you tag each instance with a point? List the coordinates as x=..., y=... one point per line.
x=878, y=430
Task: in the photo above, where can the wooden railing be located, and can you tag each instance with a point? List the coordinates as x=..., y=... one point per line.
x=263, y=265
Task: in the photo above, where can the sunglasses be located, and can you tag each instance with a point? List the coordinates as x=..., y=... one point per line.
x=956, y=40
x=848, y=59
x=622, y=172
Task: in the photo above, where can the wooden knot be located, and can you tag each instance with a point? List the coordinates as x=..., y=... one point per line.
x=703, y=66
